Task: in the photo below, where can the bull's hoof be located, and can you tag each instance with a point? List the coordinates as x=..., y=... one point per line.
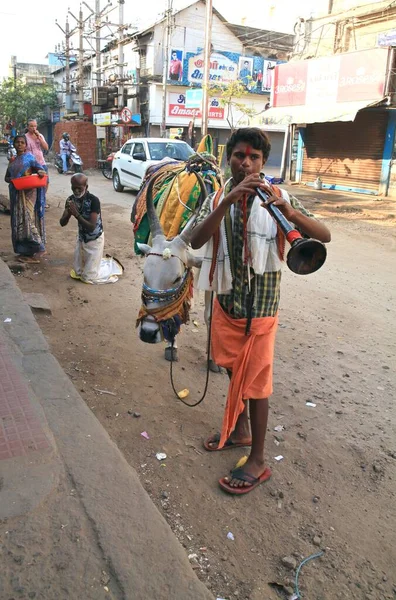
x=171, y=354
x=214, y=368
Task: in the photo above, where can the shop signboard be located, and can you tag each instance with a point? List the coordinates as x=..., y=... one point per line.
x=194, y=98
x=177, y=108
x=387, y=38
x=102, y=119
x=351, y=77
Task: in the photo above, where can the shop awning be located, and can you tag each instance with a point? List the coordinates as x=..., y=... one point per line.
x=338, y=111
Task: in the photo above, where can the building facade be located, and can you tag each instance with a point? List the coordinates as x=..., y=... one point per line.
x=130, y=99
x=340, y=107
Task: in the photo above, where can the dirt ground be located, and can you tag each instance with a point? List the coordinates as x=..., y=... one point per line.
x=334, y=490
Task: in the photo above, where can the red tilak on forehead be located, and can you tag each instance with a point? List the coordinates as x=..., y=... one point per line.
x=248, y=150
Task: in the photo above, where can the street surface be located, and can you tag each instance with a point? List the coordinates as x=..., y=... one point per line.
x=335, y=487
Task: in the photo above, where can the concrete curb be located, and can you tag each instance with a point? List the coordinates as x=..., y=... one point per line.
x=144, y=556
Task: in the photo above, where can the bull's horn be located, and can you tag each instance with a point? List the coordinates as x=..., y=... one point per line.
x=186, y=234
x=155, y=225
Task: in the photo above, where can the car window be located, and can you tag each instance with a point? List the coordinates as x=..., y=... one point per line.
x=126, y=149
x=138, y=148
x=160, y=150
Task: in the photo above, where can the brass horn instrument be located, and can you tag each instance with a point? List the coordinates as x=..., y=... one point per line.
x=305, y=255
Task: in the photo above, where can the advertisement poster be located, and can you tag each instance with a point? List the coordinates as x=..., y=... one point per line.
x=175, y=65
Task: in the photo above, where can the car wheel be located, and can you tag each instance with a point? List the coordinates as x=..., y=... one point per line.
x=117, y=183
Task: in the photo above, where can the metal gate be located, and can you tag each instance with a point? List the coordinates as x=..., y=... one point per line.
x=347, y=154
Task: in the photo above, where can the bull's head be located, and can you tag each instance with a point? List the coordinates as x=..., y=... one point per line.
x=166, y=269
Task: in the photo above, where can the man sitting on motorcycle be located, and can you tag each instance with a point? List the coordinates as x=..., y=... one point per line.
x=66, y=148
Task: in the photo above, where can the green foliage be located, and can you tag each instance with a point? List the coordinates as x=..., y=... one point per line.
x=230, y=96
x=20, y=101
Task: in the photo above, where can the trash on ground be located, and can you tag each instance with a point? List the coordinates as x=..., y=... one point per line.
x=230, y=536
x=145, y=435
x=278, y=458
x=241, y=462
x=276, y=443
x=160, y=455
x=183, y=393
x=8, y=320
x=312, y=404
x=279, y=428
x=196, y=323
x=105, y=392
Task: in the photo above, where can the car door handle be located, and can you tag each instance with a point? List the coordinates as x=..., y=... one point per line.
x=129, y=161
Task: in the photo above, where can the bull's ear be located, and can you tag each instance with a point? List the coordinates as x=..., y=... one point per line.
x=193, y=261
x=144, y=248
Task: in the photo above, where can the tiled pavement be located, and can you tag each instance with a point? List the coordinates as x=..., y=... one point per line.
x=20, y=428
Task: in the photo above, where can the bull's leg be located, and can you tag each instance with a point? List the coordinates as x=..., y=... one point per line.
x=171, y=353
x=212, y=365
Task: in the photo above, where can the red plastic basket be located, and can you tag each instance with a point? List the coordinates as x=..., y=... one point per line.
x=29, y=181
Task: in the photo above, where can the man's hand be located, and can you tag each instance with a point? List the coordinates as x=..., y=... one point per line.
x=73, y=210
x=247, y=187
x=41, y=173
x=286, y=209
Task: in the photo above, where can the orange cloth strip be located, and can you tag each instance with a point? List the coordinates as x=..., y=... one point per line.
x=250, y=358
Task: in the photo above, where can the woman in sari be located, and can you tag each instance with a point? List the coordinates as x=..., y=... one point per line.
x=27, y=206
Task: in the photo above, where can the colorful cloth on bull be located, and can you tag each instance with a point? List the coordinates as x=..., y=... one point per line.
x=179, y=190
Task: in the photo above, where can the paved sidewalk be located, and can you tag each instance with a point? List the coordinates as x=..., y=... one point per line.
x=75, y=521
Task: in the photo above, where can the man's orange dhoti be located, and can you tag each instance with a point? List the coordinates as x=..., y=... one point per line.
x=249, y=357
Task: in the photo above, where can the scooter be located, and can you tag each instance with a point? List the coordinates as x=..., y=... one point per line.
x=74, y=163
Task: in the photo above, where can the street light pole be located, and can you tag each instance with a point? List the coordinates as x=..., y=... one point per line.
x=206, y=73
x=166, y=67
x=97, y=43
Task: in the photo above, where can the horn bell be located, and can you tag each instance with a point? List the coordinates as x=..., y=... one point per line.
x=306, y=256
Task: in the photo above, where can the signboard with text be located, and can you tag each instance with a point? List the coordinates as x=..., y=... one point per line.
x=177, y=108
x=255, y=73
x=342, y=78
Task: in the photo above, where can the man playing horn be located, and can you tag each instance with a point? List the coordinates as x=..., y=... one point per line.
x=242, y=263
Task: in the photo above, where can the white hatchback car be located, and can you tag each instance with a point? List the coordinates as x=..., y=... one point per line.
x=137, y=154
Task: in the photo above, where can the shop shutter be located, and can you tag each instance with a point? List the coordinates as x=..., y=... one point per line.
x=347, y=154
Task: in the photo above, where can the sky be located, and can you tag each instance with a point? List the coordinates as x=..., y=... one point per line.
x=30, y=34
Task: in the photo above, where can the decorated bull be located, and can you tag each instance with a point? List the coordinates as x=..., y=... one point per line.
x=163, y=216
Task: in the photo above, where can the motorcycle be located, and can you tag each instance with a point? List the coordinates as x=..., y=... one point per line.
x=107, y=166
x=74, y=163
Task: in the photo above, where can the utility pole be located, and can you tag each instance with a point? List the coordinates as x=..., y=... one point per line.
x=67, y=57
x=121, y=55
x=168, y=15
x=67, y=33
x=206, y=73
x=97, y=43
x=81, y=63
